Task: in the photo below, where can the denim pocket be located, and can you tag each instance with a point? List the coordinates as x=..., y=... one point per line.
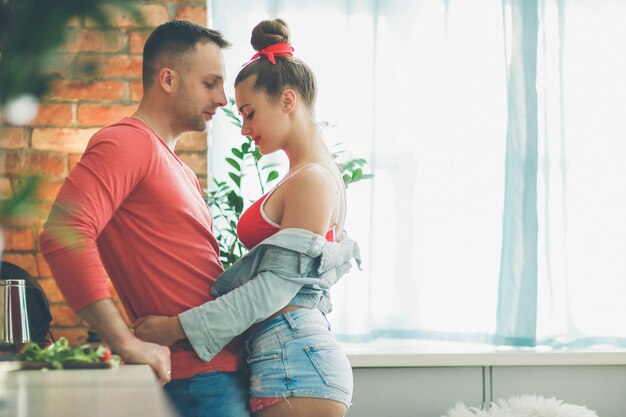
x=332, y=364
x=266, y=373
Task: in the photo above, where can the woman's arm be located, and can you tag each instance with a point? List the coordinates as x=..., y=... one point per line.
x=210, y=326
x=162, y=330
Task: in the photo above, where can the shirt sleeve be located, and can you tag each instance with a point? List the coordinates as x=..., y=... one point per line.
x=210, y=326
x=116, y=161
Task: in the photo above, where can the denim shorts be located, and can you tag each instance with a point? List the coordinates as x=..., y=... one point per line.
x=295, y=355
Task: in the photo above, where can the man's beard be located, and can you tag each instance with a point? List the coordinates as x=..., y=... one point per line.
x=188, y=119
x=196, y=123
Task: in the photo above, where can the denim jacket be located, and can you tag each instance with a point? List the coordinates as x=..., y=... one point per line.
x=292, y=267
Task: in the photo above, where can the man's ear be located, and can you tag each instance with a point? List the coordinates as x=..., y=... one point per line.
x=288, y=100
x=166, y=79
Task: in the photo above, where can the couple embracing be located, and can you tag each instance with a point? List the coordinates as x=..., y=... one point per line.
x=133, y=211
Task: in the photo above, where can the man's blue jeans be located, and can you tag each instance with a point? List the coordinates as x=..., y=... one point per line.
x=210, y=394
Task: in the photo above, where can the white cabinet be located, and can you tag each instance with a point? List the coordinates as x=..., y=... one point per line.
x=414, y=392
x=402, y=383
x=599, y=388
x=432, y=391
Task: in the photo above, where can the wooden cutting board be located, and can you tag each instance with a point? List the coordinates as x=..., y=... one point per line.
x=35, y=365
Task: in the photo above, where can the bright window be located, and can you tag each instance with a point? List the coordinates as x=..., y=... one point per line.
x=497, y=139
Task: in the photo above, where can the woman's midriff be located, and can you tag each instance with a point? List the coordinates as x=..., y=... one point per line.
x=283, y=310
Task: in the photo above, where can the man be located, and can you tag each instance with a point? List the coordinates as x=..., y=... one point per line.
x=133, y=209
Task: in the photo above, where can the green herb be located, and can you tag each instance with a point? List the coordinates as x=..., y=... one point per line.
x=56, y=354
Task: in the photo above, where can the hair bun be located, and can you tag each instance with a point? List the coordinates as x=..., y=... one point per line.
x=269, y=32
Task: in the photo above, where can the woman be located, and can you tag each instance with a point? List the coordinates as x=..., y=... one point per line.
x=295, y=232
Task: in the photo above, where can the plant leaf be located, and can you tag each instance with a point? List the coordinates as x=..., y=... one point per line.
x=237, y=153
x=238, y=206
x=271, y=176
x=236, y=178
x=357, y=174
x=234, y=163
x=272, y=165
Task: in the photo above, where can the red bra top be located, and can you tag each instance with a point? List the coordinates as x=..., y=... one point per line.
x=254, y=226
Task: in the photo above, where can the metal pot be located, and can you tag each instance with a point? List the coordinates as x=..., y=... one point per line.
x=14, y=328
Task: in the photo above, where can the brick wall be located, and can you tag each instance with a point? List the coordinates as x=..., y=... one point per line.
x=78, y=104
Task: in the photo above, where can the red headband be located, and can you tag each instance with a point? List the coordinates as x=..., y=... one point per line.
x=278, y=49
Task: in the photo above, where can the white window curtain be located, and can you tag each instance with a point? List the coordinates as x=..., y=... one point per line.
x=495, y=132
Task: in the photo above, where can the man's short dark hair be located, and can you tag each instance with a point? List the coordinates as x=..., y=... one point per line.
x=172, y=40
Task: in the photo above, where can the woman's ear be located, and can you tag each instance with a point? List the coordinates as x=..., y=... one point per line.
x=288, y=100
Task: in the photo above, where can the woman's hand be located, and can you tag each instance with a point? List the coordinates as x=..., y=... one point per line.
x=162, y=330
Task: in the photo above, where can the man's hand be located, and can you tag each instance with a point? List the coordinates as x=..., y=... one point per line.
x=104, y=317
x=158, y=357
x=159, y=329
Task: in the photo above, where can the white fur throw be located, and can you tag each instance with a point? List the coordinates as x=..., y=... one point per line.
x=523, y=406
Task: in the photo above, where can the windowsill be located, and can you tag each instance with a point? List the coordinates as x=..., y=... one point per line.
x=399, y=353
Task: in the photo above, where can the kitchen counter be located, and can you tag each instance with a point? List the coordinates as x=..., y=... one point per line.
x=128, y=390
